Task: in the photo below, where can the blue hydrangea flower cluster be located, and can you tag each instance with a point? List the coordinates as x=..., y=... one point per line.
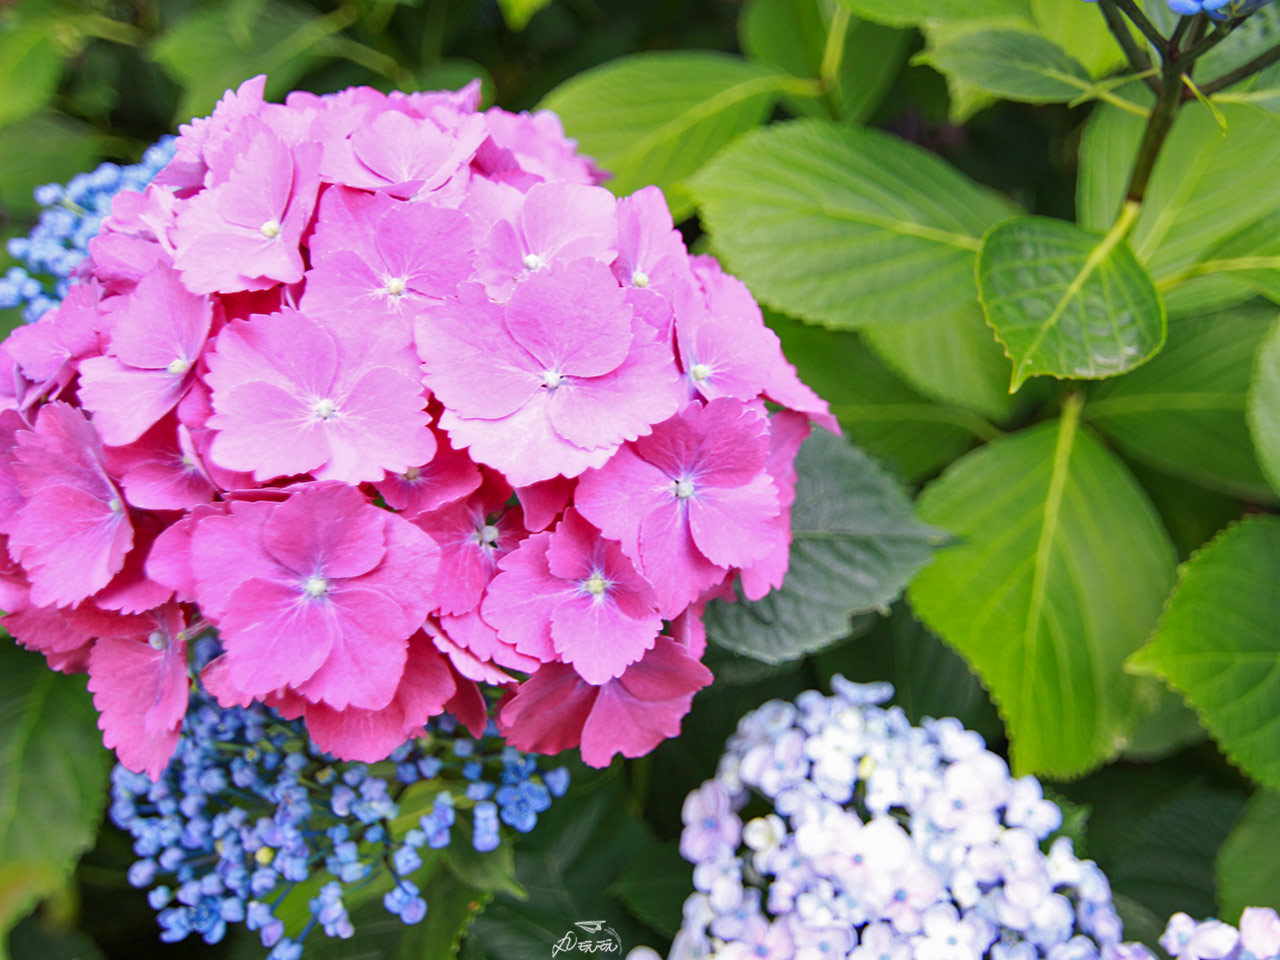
x=249, y=815
x=878, y=840
x=1257, y=937
x=1218, y=9
x=60, y=239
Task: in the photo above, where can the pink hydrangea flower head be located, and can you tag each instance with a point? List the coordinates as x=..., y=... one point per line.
x=568, y=375
x=157, y=336
x=74, y=531
x=49, y=350
x=571, y=595
x=204, y=137
x=245, y=233
x=162, y=470
x=374, y=258
x=473, y=534
x=651, y=252
x=690, y=500
x=292, y=398
x=319, y=593
x=538, y=147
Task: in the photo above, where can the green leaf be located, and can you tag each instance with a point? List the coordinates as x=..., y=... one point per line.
x=910, y=13
x=30, y=65
x=855, y=545
x=1249, y=259
x=892, y=422
x=453, y=73
x=1155, y=835
x=929, y=679
x=1264, y=406
x=1218, y=643
x=1184, y=412
x=1012, y=64
x=1191, y=204
x=1248, y=869
x=1082, y=31
x=42, y=149
x=948, y=356
x=53, y=778
x=1192, y=515
x=495, y=870
x=795, y=36
x=1066, y=302
x=1059, y=574
x=656, y=118
x=655, y=885
x=845, y=226
x=517, y=13
x=221, y=45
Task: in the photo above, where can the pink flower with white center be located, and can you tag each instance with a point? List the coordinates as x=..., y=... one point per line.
x=651, y=252
x=134, y=239
x=556, y=223
x=572, y=595
x=73, y=533
x=292, y=398
x=449, y=476
x=375, y=258
x=140, y=687
x=401, y=155
x=157, y=335
x=469, y=632
x=473, y=534
x=688, y=501
x=49, y=351
x=319, y=593
x=550, y=383
x=162, y=470
x=556, y=709
x=245, y=233
x=543, y=502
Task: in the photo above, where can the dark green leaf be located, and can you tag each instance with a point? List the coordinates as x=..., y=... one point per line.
x=53, y=778
x=517, y=13
x=1264, y=406
x=494, y=871
x=1060, y=572
x=655, y=886
x=1218, y=643
x=845, y=226
x=1012, y=64
x=1184, y=412
x=910, y=13
x=855, y=545
x=1248, y=869
x=1067, y=302
x=656, y=118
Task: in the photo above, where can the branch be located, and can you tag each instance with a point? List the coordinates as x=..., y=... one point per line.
x=1134, y=13
x=1139, y=62
x=1260, y=62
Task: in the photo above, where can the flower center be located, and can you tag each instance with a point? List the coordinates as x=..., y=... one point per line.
x=640, y=279
x=595, y=585
x=412, y=474
x=316, y=587
x=683, y=489
x=395, y=286
x=178, y=367
x=270, y=229
x=487, y=535
x=325, y=409
x=157, y=640
x=551, y=378
x=114, y=505
x=532, y=261
x=700, y=371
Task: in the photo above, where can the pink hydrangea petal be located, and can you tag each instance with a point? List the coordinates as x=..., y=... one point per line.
x=598, y=639
x=466, y=564
x=222, y=554
x=572, y=317
x=276, y=636
x=688, y=630
x=409, y=572
x=734, y=526
x=160, y=322
x=127, y=401
x=61, y=336
x=449, y=477
x=267, y=431
x=469, y=630
x=366, y=661
x=162, y=471
x=565, y=221
x=543, y=502
x=466, y=662
x=724, y=444
x=286, y=349
x=11, y=498
x=618, y=496
x=469, y=706
x=670, y=561
x=324, y=530
x=63, y=450
x=522, y=597
x=381, y=426
x=548, y=711
x=71, y=544
x=131, y=590
x=723, y=357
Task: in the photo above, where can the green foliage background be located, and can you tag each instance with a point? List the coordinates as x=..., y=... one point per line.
x=1082, y=398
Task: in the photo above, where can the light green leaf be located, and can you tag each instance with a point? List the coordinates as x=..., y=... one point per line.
x=1012, y=64
x=845, y=226
x=42, y=149
x=1249, y=259
x=796, y=36
x=892, y=422
x=53, y=778
x=1067, y=302
x=1264, y=406
x=855, y=545
x=1184, y=411
x=517, y=13
x=1248, y=869
x=656, y=118
x=1192, y=204
x=951, y=357
x=221, y=45
x=30, y=65
x=911, y=13
x=1192, y=515
x=1082, y=31
x=1059, y=574
x=1218, y=643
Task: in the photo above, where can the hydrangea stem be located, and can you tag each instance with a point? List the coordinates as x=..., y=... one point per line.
x=1159, y=123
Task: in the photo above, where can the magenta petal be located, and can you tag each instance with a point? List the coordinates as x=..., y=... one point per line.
x=70, y=543
x=325, y=530
x=734, y=526
x=544, y=501
x=127, y=401
x=276, y=636
x=449, y=477
x=723, y=444
x=266, y=431
x=671, y=562
x=522, y=597
x=616, y=497
x=364, y=666
x=471, y=632
x=381, y=427
x=598, y=639
x=572, y=317
x=548, y=711
x=160, y=322
x=566, y=221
